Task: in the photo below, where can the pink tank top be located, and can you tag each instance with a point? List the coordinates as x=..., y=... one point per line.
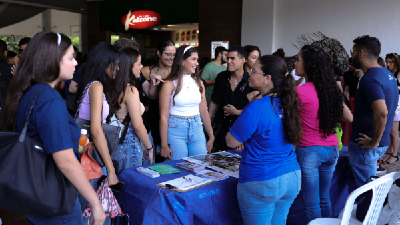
x=84, y=110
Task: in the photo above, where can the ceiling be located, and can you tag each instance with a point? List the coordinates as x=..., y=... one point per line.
x=66, y=5
x=15, y=11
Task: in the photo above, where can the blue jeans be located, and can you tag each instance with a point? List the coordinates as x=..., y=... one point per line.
x=74, y=218
x=84, y=202
x=268, y=201
x=317, y=166
x=363, y=162
x=128, y=154
x=186, y=136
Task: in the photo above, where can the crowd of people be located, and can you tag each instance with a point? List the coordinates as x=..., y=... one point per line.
x=283, y=121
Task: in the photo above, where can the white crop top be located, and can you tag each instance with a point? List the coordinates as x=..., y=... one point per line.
x=187, y=101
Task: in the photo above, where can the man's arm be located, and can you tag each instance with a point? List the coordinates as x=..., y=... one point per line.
x=209, y=82
x=212, y=109
x=379, y=109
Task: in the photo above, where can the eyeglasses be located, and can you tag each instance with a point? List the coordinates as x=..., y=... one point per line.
x=169, y=54
x=253, y=71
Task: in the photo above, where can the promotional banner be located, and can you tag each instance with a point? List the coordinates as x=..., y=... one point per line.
x=215, y=44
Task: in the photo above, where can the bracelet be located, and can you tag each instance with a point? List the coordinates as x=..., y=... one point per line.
x=150, y=148
x=210, y=132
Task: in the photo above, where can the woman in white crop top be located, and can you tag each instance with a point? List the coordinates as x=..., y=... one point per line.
x=183, y=109
x=126, y=101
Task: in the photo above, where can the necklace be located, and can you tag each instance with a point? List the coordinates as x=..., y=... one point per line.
x=163, y=69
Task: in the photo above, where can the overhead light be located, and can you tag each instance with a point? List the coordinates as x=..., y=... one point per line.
x=172, y=25
x=155, y=28
x=197, y=31
x=164, y=28
x=82, y=9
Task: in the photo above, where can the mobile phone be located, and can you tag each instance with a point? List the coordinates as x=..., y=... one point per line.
x=117, y=187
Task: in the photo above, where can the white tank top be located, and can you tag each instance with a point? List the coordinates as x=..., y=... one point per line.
x=187, y=101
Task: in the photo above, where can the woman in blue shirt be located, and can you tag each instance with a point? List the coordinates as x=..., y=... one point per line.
x=269, y=175
x=47, y=60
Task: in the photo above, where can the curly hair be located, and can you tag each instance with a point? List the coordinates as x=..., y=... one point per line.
x=319, y=69
x=284, y=87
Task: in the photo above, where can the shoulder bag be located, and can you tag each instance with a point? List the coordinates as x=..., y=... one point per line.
x=30, y=181
x=110, y=132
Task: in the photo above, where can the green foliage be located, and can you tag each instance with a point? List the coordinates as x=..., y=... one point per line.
x=114, y=38
x=12, y=41
x=75, y=41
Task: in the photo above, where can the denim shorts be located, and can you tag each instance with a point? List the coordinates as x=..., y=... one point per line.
x=128, y=154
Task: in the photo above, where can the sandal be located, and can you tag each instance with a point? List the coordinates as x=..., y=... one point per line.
x=393, y=163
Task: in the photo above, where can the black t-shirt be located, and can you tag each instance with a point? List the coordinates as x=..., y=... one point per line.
x=351, y=81
x=223, y=95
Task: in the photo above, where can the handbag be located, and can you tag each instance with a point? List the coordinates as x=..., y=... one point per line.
x=89, y=165
x=30, y=181
x=110, y=132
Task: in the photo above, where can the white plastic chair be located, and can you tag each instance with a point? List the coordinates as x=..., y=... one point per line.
x=380, y=188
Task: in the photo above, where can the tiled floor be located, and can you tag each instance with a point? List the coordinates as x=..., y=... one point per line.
x=11, y=218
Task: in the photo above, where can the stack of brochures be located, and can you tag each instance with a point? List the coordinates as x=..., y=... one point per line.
x=148, y=172
x=191, y=166
x=213, y=175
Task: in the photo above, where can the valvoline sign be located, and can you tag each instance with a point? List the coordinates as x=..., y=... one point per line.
x=140, y=19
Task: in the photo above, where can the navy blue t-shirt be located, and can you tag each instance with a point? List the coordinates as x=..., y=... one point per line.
x=267, y=153
x=377, y=83
x=49, y=121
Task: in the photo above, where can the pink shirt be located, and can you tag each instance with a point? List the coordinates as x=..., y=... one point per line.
x=309, y=115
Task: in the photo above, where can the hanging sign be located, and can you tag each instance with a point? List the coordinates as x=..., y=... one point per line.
x=140, y=19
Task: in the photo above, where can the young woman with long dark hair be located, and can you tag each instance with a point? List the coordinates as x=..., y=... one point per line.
x=46, y=61
x=165, y=56
x=393, y=65
x=322, y=109
x=269, y=174
x=183, y=109
x=97, y=77
x=126, y=100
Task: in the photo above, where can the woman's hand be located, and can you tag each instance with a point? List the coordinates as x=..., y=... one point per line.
x=112, y=178
x=166, y=152
x=98, y=215
x=148, y=153
x=252, y=95
x=240, y=147
x=155, y=79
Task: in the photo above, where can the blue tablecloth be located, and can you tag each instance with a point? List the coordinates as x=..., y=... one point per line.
x=215, y=203
x=140, y=198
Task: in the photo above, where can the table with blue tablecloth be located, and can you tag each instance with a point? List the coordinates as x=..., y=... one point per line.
x=214, y=203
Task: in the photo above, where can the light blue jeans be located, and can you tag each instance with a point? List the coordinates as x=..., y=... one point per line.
x=74, y=218
x=268, y=201
x=317, y=166
x=128, y=154
x=363, y=162
x=186, y=136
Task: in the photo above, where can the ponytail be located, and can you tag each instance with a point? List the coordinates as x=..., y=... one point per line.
x=284, y=87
